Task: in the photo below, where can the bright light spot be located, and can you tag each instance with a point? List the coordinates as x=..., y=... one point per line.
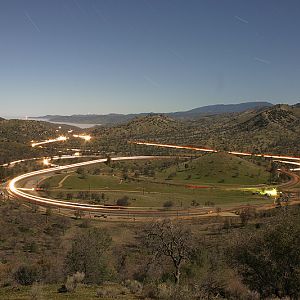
x=61, y=138
x=70, y=131
x=77, y=154
x=46, y=161
x=84, y=137
x=271, y=193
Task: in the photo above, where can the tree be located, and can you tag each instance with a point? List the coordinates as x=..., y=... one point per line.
x=108, y=160
x=78, y=214
x=60, y=195
x=81, y=172
x=124, y=201
x=246, y=214
x=48, y=213
x=69, y=196
x=88, y=254
x=269, y=259
x=45, y=186
x=169, y=240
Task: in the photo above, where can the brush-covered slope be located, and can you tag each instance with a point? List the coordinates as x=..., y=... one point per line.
x=16, y=137
x=272, y=130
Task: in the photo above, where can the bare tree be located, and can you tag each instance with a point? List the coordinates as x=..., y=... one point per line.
x=89, y=255
x=170, y=240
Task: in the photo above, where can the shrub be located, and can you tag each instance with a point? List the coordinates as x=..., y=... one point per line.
x=107, y=293
x=168, y=204
x=134, y=286
x=164, y=291
x=26, y=275
x=74, y=280
x=124, y=201
x=36, y=292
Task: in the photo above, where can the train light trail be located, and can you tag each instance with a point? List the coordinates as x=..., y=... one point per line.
x=213, y=150
x=59, y=139
x=291, y=163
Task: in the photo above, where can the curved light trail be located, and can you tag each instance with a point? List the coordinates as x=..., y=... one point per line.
x=213, y=150
x=116, y=210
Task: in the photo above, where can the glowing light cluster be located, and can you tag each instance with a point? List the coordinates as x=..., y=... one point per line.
x=46, y=161
x=271, y=192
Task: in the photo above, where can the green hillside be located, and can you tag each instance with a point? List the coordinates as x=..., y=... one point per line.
x=217, y=168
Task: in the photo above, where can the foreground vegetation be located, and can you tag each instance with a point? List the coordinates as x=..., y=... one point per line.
x=251, y=256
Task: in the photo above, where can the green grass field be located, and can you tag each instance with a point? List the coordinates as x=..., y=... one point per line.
x=149, y=194
x=217, y=178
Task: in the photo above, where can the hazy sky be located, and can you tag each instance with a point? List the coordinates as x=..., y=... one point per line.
x=96, y=56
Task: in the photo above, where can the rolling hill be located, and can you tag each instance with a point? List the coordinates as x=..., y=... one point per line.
x=217, y=168
x=110, y=119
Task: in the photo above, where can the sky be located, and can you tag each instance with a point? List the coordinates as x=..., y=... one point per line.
x=126, y=56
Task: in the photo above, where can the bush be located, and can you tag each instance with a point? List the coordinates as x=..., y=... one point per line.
x=26, y=275
x=36, y=292
x=107, y=293
x=124, y=201
x=164, y=291
x=74, y=280
x=134, y=286
x=168, y=204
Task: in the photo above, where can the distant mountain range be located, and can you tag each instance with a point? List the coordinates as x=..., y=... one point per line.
x=193, y=114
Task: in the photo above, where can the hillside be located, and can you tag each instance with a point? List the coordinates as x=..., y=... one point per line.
x=111, y=119
x=275, y=129
x=217, y=168
x=16, y=137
